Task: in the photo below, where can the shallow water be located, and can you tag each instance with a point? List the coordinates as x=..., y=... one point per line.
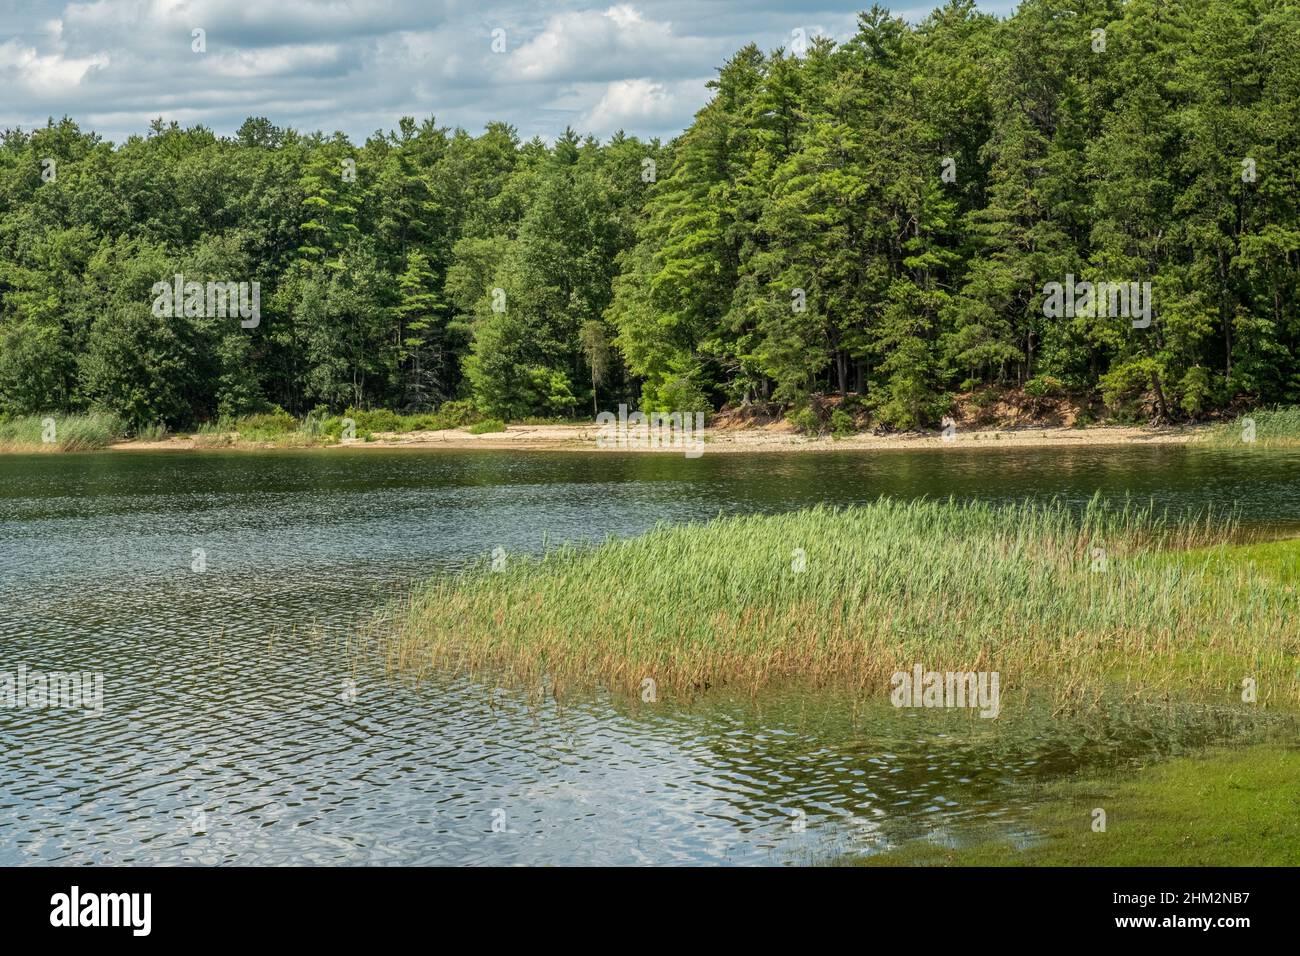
x=234, y=728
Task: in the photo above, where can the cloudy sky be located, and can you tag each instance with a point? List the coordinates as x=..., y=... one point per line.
x=356, y=66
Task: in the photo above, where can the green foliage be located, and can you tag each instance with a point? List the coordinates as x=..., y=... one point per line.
x=457, y=414
x=59, y=432
x=842, y=424
x=806, y=420
x=877, y=216
x=680, y=393
x=1272, y=428
x=1044, y=386
x=487, y=425
x=1173, y=611
x=1125, y=385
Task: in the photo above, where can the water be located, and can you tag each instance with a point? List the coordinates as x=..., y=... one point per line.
x=236, y=728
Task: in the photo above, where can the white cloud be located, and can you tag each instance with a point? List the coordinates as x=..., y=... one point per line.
x=642, y=104
x=45, y=74
x=277, y=61
x=602, y=44
x=637, y=65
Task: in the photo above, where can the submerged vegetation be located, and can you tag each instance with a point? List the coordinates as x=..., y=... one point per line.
x=1235, y=807
x=1045, y=595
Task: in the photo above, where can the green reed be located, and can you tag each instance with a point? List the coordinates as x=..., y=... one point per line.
x=1044, y=594
x=80, y=432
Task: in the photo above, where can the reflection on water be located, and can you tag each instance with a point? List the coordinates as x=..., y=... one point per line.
x=236, y=730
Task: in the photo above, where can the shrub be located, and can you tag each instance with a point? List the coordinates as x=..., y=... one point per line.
x=1044, y=386
x=457, y=414
x=842, y=424
x=489, y=425
x=805, y=420
x=277, y=422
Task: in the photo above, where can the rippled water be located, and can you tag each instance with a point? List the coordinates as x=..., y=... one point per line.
x=234, y=728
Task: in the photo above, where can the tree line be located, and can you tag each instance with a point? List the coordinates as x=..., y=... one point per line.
x=880, y=219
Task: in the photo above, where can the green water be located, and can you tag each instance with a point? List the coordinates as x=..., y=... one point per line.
x=214, y=593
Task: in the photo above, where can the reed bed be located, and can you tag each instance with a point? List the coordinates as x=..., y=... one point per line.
x=849, y=596
x=85, y=432
x=1262, y=428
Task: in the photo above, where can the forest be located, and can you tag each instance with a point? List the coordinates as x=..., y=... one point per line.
x=875, y=221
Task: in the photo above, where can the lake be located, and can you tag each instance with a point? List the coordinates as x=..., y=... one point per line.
x=215, y=592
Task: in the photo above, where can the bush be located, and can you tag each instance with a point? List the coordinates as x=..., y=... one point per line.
x=277, y=422
x=457, y=414
x=490, y=425
x=805, y=420
x=1196, y=390
x=378, y=420
x=682, y=395
x=1124, y=386
x=1044, y=386
x=842, y=424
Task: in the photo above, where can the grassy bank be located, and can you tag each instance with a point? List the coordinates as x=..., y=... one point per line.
x=1225, y=808
x=58, y=432
x=1261, y=428
x=276, y=429
x=847, y=597
x=279, y=429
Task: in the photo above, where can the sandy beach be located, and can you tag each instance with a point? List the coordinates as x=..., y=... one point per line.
x=730, y=440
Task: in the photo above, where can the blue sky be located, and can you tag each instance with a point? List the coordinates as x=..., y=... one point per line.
x=640, y=66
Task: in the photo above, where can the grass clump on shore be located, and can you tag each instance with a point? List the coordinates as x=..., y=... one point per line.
x=277, y=428
x=280, y=429
x=1261, y=428
x=60, y=432
x=488, y=426
x=1038, y=592
x=1236, y=807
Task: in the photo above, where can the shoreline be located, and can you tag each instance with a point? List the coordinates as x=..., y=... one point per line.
x=734, y=440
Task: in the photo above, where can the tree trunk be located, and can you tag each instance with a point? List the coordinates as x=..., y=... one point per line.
x=1161, y=404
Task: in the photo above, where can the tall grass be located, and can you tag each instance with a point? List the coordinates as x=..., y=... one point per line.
x=281, y=429
x=950, y=586
x=83, y=432
x=1273, y=428
x=487, y=427
x=277, y=428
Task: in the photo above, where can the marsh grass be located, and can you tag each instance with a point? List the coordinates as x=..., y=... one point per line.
x=151, y=433
x=1274, y=428
x=84, y=432
x=951, y=586
x=282, y=430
